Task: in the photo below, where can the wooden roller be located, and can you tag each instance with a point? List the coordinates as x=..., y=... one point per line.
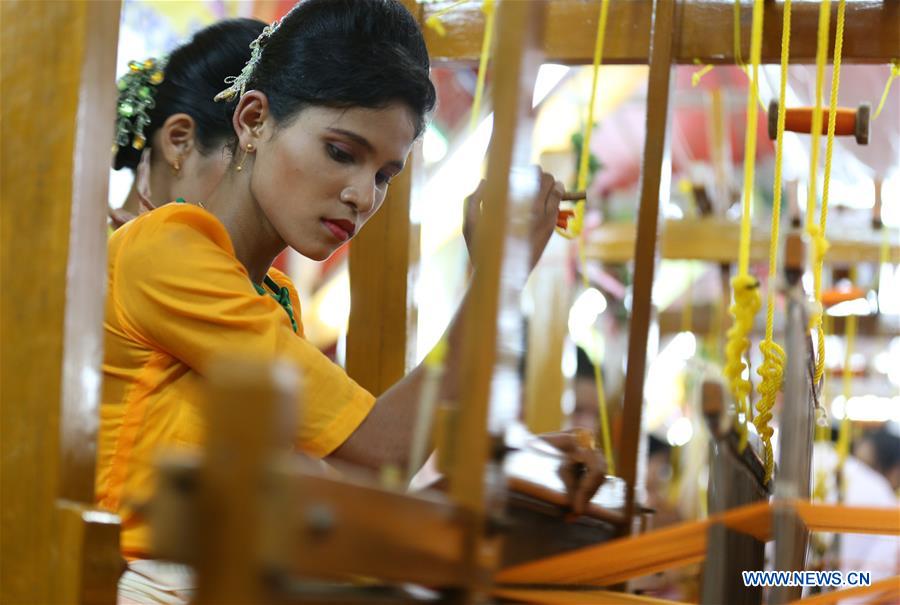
x=799, y=119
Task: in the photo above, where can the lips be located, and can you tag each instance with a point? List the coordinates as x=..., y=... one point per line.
x=341, y=229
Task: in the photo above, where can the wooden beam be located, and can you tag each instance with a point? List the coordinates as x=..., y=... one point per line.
x=655, y=177
x=716, y=240
x=380, y=297
x=58, y=64
x=379, y=265
x=705, y=28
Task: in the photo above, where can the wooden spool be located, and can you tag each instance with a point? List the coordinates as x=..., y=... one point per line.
x=848, y=121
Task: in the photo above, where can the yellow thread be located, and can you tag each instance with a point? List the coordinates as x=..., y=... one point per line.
x=895, y=73
x=772, y=369
x=487, y=8
x=821, y=243
x=575, y=224
x=434, y=21
x=843, y=444
x=598, y=380
x=698, y=75
x=745, y=287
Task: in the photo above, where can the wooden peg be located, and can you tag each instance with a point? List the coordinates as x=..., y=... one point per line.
x=848, y=121
x=794, y=252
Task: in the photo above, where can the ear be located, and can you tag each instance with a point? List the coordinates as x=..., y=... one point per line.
x=251, y=117
x=177, y=137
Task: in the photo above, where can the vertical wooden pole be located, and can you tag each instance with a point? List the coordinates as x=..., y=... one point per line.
x=58, y=99
x=515, y=70
x=379, y=263
x=379, y=294
x=655, y=177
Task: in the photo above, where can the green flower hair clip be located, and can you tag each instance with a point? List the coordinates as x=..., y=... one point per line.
x=136, y=91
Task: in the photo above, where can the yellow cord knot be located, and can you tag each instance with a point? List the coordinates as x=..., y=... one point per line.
x=772, y=373
x=746, y=304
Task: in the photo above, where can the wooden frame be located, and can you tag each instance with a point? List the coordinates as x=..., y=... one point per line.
x=57, y=69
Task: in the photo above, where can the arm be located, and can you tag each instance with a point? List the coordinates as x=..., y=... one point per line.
x=386, y=434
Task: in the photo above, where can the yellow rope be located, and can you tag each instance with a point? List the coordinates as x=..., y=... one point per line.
x=772, y=369
x=434, y=21
x=487, y=7
x=576, y=222
x=895, y=73
x=843, y=444
x=598, y=382
x=818, y=233
x=744, y=286
x=698, y=75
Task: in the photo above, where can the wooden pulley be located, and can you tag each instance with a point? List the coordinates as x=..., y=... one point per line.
x=848, y=121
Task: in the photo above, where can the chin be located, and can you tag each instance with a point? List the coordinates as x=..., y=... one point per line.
x=316, y=253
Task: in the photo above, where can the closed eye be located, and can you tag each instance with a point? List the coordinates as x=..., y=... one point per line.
x=338, y=155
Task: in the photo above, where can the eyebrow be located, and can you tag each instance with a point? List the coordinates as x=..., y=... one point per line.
x=363, y=141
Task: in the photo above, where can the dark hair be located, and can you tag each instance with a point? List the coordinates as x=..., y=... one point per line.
x=345, y=53
x=194, y=74
x=886, y=446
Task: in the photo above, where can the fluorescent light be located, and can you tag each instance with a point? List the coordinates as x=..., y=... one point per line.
x=857, y=306
x=867, y=408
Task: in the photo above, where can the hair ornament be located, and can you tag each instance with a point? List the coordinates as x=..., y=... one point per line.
x=136, y=99
x=238, y=83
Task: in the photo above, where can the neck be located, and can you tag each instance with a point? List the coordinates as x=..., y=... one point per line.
x=255, y=241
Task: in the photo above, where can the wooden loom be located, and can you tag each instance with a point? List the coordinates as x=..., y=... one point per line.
x=51, y=421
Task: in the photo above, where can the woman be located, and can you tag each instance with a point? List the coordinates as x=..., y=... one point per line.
x=326, y=112
x=172, y=134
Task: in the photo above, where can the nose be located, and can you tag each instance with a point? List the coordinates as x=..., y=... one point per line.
x=362, y=198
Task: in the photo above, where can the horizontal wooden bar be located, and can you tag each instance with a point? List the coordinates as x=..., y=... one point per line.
x=685, y=543
x=716, y=240
x=704, y=32
x=576, y=597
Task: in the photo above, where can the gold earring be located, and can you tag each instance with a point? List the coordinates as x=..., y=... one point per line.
x=176, y=166
x=248, y=149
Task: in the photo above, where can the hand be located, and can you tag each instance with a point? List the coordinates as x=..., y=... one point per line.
x=544, y=215
x=119, y=216
x=584, y=470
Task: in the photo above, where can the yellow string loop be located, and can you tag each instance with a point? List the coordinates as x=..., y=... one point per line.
x=746, y=304
x=820, y=242
x=487, y=7
x=745, y=287
x=772, y=369
x=575, y=223
x=895, y=73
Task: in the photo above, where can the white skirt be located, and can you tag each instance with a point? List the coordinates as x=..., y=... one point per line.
x=157, y=582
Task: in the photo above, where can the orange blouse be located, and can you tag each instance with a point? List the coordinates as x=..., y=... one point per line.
x=176, y=297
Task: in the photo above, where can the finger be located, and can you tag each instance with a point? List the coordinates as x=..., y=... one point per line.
x=554, y=196
x=588, y=485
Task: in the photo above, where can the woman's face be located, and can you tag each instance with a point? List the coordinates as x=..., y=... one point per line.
x=321, y=177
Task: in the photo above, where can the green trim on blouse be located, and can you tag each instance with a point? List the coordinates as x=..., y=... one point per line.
x=280, y=293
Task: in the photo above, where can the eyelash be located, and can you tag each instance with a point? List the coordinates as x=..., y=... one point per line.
x=342, y=157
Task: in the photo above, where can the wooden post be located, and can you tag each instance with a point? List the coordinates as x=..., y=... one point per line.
x=58, y=100
x=380, y=297
x=379, y=263
x=233, y=483
x=655, y=177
